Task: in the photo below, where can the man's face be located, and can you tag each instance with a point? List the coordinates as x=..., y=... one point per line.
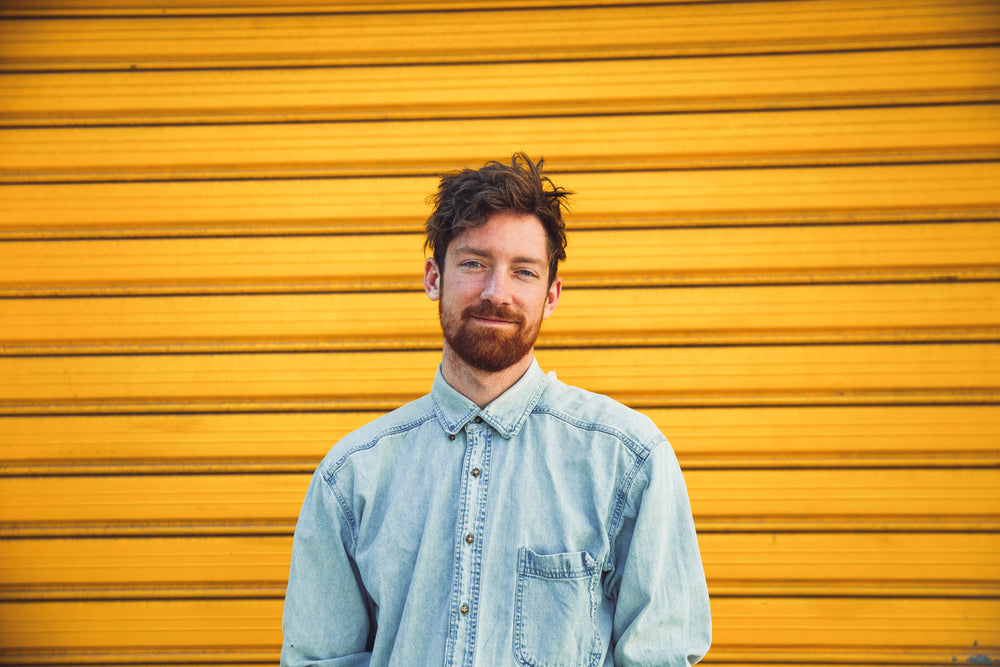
x=494, y=291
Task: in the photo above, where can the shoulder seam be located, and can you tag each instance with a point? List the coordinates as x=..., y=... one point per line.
x=345, y=508
x=329, y=473
x=641, y=451
x=368, y=444
x=627, y=482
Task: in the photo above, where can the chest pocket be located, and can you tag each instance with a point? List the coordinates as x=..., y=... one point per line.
x=555, y=614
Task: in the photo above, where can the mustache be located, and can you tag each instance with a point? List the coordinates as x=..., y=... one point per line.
x=493, y=312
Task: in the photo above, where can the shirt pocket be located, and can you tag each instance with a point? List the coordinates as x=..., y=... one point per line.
x=555, y=612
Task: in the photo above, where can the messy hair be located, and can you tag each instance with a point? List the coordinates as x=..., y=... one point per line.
x=467, y=198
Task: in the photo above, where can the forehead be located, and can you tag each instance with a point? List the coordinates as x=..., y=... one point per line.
x=505, y=233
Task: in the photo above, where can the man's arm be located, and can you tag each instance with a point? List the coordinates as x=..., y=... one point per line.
x=326, y=619
x=662, y=614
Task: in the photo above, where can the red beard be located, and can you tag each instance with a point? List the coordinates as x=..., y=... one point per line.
x=489, y=349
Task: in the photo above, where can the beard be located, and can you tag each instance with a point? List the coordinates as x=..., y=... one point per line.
x=489, y=349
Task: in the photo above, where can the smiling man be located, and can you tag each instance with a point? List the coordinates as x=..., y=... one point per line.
x=505, y=518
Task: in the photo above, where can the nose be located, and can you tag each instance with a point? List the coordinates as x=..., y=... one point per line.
x=496, y=288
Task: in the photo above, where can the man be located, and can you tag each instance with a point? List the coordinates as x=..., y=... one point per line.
x=505, y=518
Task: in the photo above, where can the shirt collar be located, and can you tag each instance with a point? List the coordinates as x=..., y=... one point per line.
x=507, y=413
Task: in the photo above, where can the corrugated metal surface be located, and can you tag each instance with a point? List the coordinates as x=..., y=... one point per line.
x=785, y=248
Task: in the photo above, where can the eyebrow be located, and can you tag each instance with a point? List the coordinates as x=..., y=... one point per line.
x=478, y=252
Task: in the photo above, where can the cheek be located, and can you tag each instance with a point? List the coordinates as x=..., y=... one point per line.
x=536, y=303
x=462, y=289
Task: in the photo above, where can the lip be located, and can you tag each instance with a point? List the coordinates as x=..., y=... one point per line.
x=491, y=321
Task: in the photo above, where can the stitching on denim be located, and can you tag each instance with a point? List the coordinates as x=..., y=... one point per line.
x=518, y=605
x=452, y=427
x=539, y=573
x=329, y=474
x=525, y=571
x=623, y=494
x=345, y=508
x=530, y=405
x=595, y=655
x=638, y=449
x=479, y=548
x=392, y=430
x=641, y=452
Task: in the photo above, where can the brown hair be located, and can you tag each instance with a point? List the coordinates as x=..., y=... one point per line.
x=467, y=198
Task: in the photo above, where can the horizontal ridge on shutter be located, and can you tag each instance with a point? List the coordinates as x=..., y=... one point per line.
x=793, y=81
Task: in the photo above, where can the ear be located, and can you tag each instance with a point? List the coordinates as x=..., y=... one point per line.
x=552, y=298
x=432, y=279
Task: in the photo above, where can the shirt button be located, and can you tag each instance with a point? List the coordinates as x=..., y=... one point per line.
x=478, y=420
x=451, y=437
x=464, y=609
x=476, y=472
x=470, y=538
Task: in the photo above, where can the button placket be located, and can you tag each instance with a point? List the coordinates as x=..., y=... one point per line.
x=471, y=521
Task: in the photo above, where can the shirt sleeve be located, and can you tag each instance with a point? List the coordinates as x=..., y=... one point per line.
x=662, y=615
x=326, y=618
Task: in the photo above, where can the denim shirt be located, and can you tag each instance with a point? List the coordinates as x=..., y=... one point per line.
x=550, y=528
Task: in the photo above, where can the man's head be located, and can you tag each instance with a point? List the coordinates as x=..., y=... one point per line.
x=497, y=236
x=468, y=198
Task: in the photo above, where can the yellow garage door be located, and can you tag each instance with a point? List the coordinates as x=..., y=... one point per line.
x=785, y=248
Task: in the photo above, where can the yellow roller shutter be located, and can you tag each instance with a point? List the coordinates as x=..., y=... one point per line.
x=785, y=248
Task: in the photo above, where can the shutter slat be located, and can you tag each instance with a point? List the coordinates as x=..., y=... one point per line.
x=435, y=36
x=760, y=375
x=645, y=199
x=722, y=500
x=888, y=564
x=117, y=8
x=605, y=258
x=800, y=81
x=674, y=316
x=885, y=629
x=870, y=436
x=846, y=136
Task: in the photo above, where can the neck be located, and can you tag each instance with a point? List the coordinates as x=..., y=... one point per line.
x=480, y=387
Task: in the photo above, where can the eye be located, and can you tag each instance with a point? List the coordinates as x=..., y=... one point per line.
x=472, y=264
x=527, y=273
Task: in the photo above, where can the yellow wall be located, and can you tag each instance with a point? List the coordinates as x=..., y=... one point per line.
x=785, y=248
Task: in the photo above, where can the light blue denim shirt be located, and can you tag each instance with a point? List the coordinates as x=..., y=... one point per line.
x=551, y=528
